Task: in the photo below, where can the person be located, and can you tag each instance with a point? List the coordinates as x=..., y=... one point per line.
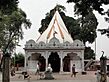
x=26, y=75
x=102, y=76
x=13, y=71
x=98, y=75
x=37, y=69
x=73, y=71
x=49, y=69
x=48, y=73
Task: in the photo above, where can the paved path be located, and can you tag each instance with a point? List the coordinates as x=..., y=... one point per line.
x=90, y=77
x=54, y=81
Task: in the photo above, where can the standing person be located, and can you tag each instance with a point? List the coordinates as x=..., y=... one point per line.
x=103, y=79
x=73, y=71
x=37, y=69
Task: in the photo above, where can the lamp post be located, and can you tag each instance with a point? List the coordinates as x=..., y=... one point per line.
x=103, y=68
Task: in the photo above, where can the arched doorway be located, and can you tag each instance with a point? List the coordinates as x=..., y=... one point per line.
x=42, y=63
x=66, y=63
x=54, y=60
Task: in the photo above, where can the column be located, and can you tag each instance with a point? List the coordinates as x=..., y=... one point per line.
x=46, y=57
x=27, y=54
x=71, y=64
x=46, y=63
x=61, y=62
x=82, y=61
x=25, y=60
x=61, y=68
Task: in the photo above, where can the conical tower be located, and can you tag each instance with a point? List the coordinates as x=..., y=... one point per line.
x=56, y=29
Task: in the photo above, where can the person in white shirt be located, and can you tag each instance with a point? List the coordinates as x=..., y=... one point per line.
x=49, y=69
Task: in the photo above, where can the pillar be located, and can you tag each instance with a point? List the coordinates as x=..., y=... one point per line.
x=61, y=60
x=61, y=66
x=82, y=60
x=46, y=57
x=26, y=60
x=27, y=54
x=46, y=63
x=71, y=64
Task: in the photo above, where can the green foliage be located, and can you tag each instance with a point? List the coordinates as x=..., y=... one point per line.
x=11, y=29
x=89, y=53
x=82, y=7
x=18, y=59
x=11, y=20
x=88, y=28
x=8, y=6
x=72, y=26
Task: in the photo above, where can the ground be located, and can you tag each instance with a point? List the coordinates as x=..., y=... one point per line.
x=66, y=77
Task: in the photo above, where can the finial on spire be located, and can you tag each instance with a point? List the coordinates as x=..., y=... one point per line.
x=54, y=33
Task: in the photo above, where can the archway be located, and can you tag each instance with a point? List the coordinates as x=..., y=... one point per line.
x=54, y=60
x=42, y=63
x=66, y=63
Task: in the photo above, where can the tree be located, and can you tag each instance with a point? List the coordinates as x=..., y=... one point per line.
x=82, y=7
x=10, y=33
x=89, y=53
x=8, y=6
x=88, y=28
x=18, y=59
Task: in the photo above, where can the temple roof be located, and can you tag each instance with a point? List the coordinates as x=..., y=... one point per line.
x=56, y=29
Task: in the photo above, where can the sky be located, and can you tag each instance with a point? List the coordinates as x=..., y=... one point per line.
x=36, y=11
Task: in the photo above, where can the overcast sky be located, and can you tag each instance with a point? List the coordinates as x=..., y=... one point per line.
x=36, y=11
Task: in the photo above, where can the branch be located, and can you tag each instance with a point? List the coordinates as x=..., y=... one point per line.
x=9, y=41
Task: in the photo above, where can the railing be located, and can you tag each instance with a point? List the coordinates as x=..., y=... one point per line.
x=88, y=64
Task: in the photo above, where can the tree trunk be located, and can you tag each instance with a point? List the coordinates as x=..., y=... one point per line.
x=6, y=69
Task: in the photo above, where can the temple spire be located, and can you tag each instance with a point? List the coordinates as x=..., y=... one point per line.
x=56, y=29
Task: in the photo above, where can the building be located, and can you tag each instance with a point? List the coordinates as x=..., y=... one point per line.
x=56, y=47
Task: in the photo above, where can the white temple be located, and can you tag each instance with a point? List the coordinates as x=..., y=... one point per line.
x=56, y=47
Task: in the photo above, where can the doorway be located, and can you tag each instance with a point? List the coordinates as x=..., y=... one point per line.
x=42, y=63
x=54, y=60
x=66, y=64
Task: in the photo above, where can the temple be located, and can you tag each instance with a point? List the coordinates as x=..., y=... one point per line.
x=56, y=47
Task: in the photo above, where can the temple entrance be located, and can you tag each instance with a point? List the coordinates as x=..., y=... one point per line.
x=66, y=63
x=42, y=63
x=54, y=60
